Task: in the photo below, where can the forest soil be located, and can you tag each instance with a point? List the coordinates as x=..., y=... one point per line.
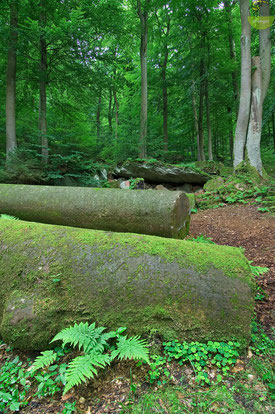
x=235, y=225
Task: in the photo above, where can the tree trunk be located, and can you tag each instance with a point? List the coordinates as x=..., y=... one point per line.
x=208, y=120
x=255, y=122
x=245, y=94
x=146, y=212
x=164, y=87
x=43, y=85
x=177, y=289
x=234, y=72
x=98, y=122
x=117, y=113
x=194, y=104
x=200, y=122
x=231, y=138
x=143, y=16
x=265, y=51
x=11, y=143
x=110, y=112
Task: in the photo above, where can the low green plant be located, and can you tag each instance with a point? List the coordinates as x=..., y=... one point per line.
x=135, y=181
x=219, y=354
x=96, y=351
x=69, y=408
x=14, y=385
x=7, y=217
x=202, y=239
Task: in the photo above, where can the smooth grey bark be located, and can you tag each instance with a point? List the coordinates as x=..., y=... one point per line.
x=42, y=125
x=245, y=92
x=143, y=16
x=11, y=143
x=158, y=213
x=255, y=122
x=260, y=82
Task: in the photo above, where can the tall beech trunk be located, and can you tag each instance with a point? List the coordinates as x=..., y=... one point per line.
x=255, y=121
x=245, y=93
x=116, y=113
x=164, y=85
x=110, y=112
x=260, y=82
x=143, y=16
x=234, y=73
x=98, y=122
x=200, y=121
x=42, y=126
x=196, y=122
x=11, y=143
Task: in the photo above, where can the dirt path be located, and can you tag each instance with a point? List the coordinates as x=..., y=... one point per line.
x=243, y=225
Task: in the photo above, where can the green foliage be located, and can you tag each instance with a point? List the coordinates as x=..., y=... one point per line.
x=14, y=385
x=258, y=270
x=94, y=345
x=202, y=239
x=7, y=217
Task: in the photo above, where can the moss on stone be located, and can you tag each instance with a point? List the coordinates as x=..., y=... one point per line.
x=179, y=289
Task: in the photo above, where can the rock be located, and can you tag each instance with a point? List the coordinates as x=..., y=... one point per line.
x=178, y=289
x=192, y=200
x=111, y=209
x=125, y=185
x=197, y=189
x=160, y=173
x=161, y=188
x=187, y=188
x=214, y=184
x=210, y=167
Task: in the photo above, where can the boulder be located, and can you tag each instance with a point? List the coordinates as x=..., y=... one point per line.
x=214, y=184
x=161, y=173
x=52, y=276
x=147, y=212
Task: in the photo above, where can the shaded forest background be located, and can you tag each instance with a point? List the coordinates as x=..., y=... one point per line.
x=84, y=56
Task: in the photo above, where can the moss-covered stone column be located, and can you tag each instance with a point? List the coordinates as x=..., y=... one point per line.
x=52, y=275
x=157, y=213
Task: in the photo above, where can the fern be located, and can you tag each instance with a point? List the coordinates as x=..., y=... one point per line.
x=45, y=359
x=81, y=335
x=131, y=348
x=6, y=217
x=94, y=344
x=82, y=368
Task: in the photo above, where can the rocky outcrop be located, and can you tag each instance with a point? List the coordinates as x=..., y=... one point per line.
x=157, y=172
x=52, y=276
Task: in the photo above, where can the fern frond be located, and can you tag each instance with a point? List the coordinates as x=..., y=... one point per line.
x=131, y=348
x=82, y=368
x=7, y=217
x=46, y=358
x=82, y=335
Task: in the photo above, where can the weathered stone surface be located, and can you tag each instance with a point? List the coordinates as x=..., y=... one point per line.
x=52, y=276
x=187, y=188
x=214, y=184
x=161, y=187
x=161, y=173
x=146, y=212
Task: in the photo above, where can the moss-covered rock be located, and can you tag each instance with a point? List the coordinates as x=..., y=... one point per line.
x=52, y=276
x=214, y=184
x=192, y=200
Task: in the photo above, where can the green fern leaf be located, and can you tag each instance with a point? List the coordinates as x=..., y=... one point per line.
x=131, y=348
x=82, y=335
x=82, y=368
x=5, y=216
x=46, y=358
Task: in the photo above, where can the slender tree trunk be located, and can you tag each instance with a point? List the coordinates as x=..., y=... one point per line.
x=43, y=85
x=164, y=88
x=273, y=129
x=245, y=94
x=11, y=83
x=143, y=16
x=196, y=122
x=98, y=122
x=202, y=90
x=265, y=51
x=210, y=152
x=234, y=72
x=231, y=137
x=116, y=113
x=110, y=112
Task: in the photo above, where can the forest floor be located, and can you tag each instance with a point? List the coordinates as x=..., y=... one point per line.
x=124, y=388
